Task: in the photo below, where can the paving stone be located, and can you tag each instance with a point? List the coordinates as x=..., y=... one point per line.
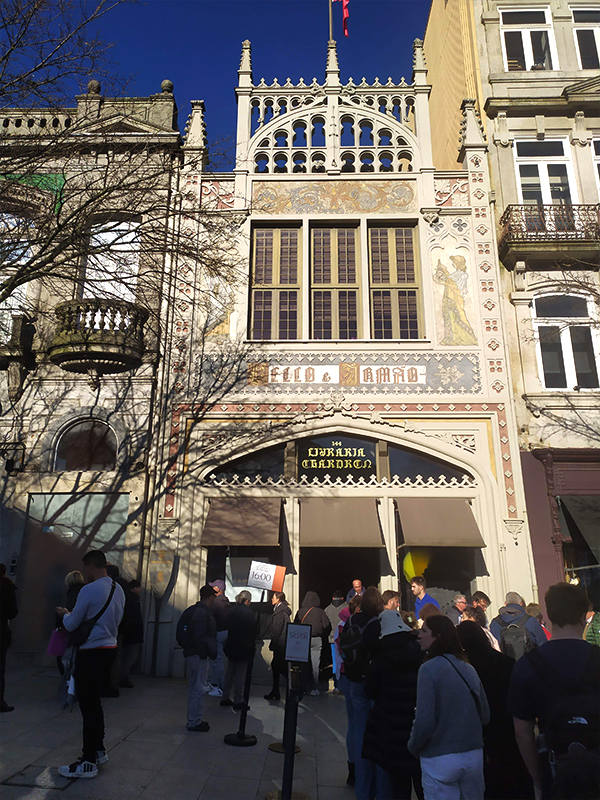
x=38, y=777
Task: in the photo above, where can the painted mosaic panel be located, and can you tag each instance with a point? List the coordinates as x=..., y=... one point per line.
x=333, y=197
x=397, y=373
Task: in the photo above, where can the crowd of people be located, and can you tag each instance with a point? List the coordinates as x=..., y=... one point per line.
x=439, y=702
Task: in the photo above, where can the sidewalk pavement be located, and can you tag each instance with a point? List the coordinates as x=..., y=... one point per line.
x=154, y=757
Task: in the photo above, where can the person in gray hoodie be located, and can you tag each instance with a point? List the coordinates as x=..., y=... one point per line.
x=451, y=709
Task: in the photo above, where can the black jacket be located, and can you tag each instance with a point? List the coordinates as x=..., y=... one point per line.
x=133, y=632
x=221, y=610
x=241, y=632
x=203, y=633
x=392, y=683
x=311, y=613
x=8, y=609
x=281, y=616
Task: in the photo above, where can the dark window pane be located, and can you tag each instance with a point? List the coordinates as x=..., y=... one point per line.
x=539, y=149
x=552, y=358
x=530, y=184
x=561, y=306
x=559, y=184
x=590, y=15
x=322, y=322
x=380, y=255
x=288, y=259
x=409, y=464
x=523, y=18
x=597, y=147
x=87, y=447
x=346, y=255
x=348, y=316
x=321, y=256
x=262, y=314
x=515, y=55
x=583, y=354
x=588, y=51
x=266, y=463
x=409, y=322
x=405, y=256
x=382, y=315
x=263, y=257
x=540, y=45
x=288, y=315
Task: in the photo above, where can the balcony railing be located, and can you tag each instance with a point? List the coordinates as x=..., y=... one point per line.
x=103, y=336
x=549, y=224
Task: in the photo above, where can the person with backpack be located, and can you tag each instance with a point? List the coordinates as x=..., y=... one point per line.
x=312, y=614
x=452, y=708
x=557, y=687
x=359, y=630
x=197, y=634
x=516, y=631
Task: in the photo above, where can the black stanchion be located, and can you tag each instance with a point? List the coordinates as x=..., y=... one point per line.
x=279, y=747
x=241, y=738
x=293, y=698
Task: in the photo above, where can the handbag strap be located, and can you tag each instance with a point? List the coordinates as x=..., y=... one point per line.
x=307, y=613
x=95, y=619
x=468, y=685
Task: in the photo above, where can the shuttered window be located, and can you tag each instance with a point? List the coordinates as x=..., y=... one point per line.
x=275, y=293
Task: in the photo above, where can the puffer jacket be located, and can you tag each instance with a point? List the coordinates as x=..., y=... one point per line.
x=282, y=614
x=392, y=684
x=311, y=613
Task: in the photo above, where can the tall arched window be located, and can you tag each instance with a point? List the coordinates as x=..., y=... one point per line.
x=88, y=446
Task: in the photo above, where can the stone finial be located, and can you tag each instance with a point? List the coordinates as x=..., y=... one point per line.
x=419, y=75
x=471, y=129
x=167, y=87
x=195, y=129
x=580, y=135
x=332, y=69
x=93, y=87
x=245, y=71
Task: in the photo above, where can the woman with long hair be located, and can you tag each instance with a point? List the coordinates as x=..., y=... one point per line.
x=452, y=707
x=281, y=616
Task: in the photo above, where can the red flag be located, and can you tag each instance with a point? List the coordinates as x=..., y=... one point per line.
x=345, y=14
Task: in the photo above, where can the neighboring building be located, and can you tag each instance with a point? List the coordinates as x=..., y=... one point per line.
x=330, y=388
x=534, y=71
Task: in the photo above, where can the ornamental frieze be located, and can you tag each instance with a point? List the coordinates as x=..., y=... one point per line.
x=333, y=197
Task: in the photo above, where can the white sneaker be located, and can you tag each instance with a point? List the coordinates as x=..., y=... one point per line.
x=215, y=692
x=315, y=693
x=79, y=769
x=101, y=757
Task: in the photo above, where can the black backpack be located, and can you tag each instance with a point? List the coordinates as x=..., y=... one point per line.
x=183, y=634
x=515, y=639
x=355, y=654
x=572, y=718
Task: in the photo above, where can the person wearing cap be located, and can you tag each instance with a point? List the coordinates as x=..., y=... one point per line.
x=216, y=670
x=392, y=686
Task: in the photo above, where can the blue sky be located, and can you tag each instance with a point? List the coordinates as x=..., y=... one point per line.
x=197, y=44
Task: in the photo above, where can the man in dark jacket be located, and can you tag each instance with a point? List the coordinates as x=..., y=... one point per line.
x=392, y=684
x=8, y=611
x=221, y=611
x=312, y=614
x=201, y=645
x=239, y=649
x=281, y=616
x=133, y=633
x=513, y=613
x=455, y=612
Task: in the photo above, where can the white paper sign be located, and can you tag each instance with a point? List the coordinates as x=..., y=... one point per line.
x=297, y=643
x=261, y=575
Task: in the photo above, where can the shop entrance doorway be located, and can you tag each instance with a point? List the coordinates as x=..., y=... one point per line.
x=325, y=569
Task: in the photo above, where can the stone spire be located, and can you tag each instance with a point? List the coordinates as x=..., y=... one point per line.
x=419, y=75
x=245, y=71
x=195, y=134
x=332, y=70
x=472, y=134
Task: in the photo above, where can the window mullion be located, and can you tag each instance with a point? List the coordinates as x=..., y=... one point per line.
x=363, y=291
x=305, y=279
x=569, y=359
x=527, y=48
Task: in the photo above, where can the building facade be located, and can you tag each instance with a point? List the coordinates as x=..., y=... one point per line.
x=330, y=388
x=534, y=72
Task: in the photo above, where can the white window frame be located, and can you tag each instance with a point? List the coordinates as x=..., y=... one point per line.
x=542, y=163
x=526, y=40
x=112, y=273
x=564, y=324
x=596, y=158
x=14, y=305
x=585, y=26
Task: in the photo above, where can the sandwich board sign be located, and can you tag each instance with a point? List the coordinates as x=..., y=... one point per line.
x=266, y=576
x=297, y=642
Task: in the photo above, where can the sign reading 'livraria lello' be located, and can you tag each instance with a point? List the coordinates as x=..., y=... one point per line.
x=336, y=456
